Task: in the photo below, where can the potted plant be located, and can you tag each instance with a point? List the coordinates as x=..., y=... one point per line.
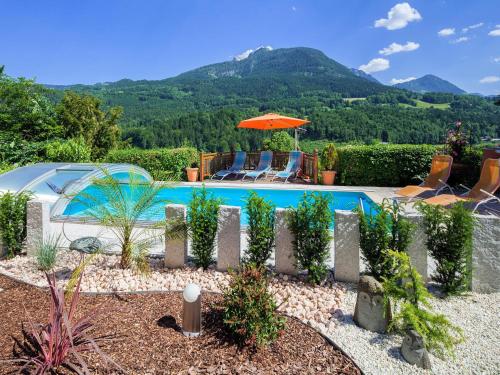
x=192, y=172
x=329, y=161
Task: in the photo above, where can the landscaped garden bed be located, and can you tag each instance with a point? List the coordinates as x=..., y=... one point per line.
x=149, y=338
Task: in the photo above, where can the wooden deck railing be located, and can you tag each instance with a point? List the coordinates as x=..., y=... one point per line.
x=216, y=161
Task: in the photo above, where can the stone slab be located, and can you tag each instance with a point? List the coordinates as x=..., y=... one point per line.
x=229, y=238
x=176, y=248
x=284, y=253
x=346, y=237
x=37, y=225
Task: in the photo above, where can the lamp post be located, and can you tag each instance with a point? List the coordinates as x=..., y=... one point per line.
x=191, y=316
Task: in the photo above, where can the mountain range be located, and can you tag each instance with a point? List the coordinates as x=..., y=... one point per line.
x=430, y=83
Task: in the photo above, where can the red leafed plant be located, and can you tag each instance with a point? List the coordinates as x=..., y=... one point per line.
x=60, y=343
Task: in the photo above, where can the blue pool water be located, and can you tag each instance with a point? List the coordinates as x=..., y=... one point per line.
x=282, y=198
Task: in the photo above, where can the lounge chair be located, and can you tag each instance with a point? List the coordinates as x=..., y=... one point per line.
x=264, y=166
x=293, y=166
x=482, y=192
x=236, y=168
x=435, y=182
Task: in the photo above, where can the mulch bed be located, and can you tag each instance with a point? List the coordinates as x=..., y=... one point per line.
x=150, y=341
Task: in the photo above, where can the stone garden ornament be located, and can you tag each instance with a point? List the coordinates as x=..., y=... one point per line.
x=413, y=350
x=370, y=312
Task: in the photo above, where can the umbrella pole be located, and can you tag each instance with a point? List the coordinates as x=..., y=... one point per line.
x=296, y=139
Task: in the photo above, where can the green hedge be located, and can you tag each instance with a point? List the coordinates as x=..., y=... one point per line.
x=161, y=163
x=398, y=165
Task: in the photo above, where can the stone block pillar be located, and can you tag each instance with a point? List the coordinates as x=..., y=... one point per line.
x=417, y=249
x=176, y=248
x=37, y=225
x=284, y=255
x=346, y=239
x=486, y=254
x=228, y=238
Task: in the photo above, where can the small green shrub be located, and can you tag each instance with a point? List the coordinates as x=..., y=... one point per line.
x=310, y=224
x=161, y=163
x=280, y=141
x=46, y=253
x=13, y=221
x=202, y=222
x=250, y=310
x=387, y=229
x=410, y=300
x=70, y=150
x=261, y=215
x=329, y=157
x=449, y=241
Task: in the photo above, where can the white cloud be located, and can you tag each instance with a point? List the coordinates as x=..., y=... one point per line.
x=496, y=59
x=495, y=32
x=294, y=8
x=395, y=81
x=462, y=39
x=245, y=54
x=490, y=79
x=395, y=48
x=398, y=17
x=472, y=27
x=446, y=32
x=375, y=65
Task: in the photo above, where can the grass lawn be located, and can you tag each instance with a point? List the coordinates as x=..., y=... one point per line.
x=422, y=104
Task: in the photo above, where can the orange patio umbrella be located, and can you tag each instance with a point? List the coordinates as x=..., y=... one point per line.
x=273, y=121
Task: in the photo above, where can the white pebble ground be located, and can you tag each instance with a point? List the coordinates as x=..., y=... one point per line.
x=327, y=308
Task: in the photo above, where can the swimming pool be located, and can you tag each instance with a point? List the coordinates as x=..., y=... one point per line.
x=231, y=196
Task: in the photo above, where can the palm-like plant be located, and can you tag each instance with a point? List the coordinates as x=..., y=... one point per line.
x=129, y=212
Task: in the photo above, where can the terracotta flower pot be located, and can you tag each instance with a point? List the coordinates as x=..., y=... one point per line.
x=328, y=177
x=192, y=174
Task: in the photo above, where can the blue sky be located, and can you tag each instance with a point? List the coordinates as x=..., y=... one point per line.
x=64, y=42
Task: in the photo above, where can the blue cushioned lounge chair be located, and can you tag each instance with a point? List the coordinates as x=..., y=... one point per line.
x=292, y=168
x=236, y=168
x=264, y=167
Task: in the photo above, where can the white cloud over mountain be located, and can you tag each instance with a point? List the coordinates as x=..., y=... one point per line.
x=395, y=48
x=446, y=32
x=472, y=27
x=462, y=39
x=490, y=79
x=495, y=32
x=398, y=17
x=395, y=81
x=245, y=54
x=375, y=65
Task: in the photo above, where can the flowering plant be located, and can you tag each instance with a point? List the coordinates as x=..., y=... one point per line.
x=456, y=141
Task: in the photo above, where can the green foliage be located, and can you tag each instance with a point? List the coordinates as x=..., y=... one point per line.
x=279, y=141
x=449, y=241
x=13, y=221
x=384, y=165
x=250, y=310
x=202, y=222
x=261, y=216
x=26, y=111
x=15, y=151
x=161, y=163
x=121, y=208
x=410, y=299
x=310, y=224
x=82, y=116
x=72, y=150
x=387, y=229
x=329, y=157
x=46, y=253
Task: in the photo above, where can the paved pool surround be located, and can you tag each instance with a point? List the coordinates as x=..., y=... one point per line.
x=345, y=251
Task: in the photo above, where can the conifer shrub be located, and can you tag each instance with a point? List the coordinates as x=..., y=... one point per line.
x=412, y=310
x=310, y=224
x=202, y=223
x=449, y=241
x=261, y=236
x=249, y=309
x=387, y=229
x=13, y=221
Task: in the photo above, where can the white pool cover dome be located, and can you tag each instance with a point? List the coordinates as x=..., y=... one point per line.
x=50, y=182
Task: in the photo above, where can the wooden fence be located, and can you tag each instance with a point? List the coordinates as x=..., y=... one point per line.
x=216, y=161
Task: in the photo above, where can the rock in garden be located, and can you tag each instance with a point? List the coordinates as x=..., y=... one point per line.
x=413, y=350
x=370, y=312
x=86, y=245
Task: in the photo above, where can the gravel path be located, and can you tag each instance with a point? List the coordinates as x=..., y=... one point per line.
x=477, y=314
x=327, y=308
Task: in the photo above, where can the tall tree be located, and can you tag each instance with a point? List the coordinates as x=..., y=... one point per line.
x=81, y=116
